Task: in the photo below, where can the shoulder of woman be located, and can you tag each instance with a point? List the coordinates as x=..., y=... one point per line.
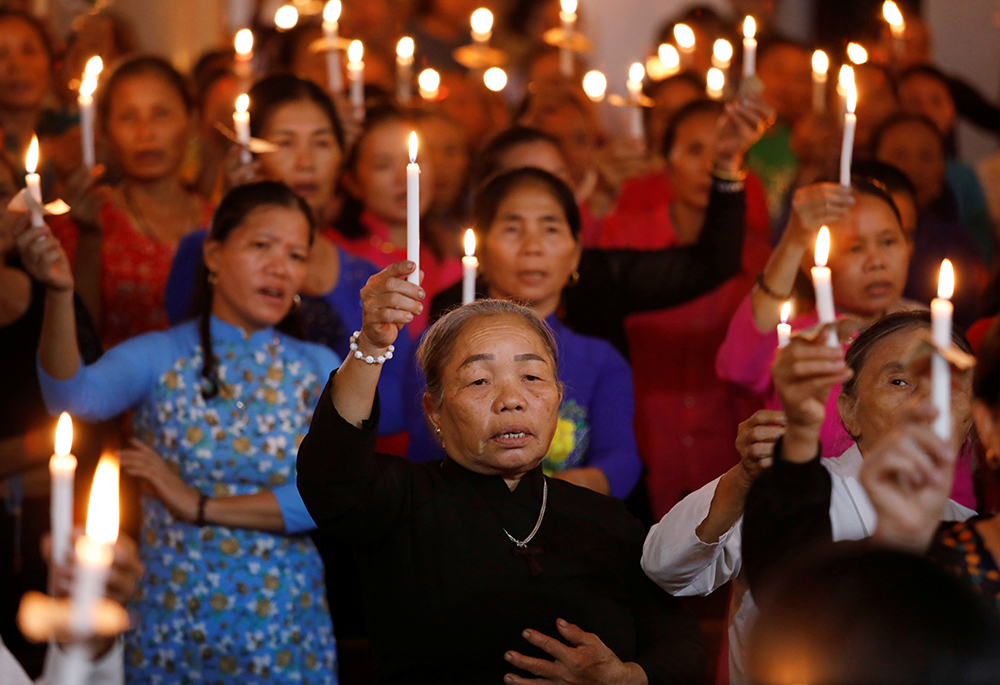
x=322, y=357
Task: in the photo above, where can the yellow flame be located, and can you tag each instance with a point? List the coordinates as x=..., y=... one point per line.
x=332, y=10
x=243, y=103
x=856, y=53
x=405, y=47
x=31, y=160
x=244, y=39
x=413, y=147
x=822, y=246
x=95, y=65
x=946, y=280
x=890, y=11
x=846, y=77
x=786, y=309
x=684, y=36
x=636, y=72
x=102, y=512
x=715, y=80
x=495, y=79
x=722, y=50
x=355, y=51
x=749, y=27
x=669, y=56
x=821, y=63
x=594, y=85
x=429, y=81
x=286, y=17
x=64, y=435
x=482, y=20
x=88, y=85
x=470, y=243
x=852, y=97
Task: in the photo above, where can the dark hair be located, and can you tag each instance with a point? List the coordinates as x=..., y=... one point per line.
x=229, y=215
x=270, y=93
x=143, y=65
x=490, y=158
x=903, y=118
x=37, y=25
x=885, y=327
x=927, y=71
x=886, y=175
x=856, y=614
x=691, y=109
x=875, y=188
x=986, y=378
x=489, y=198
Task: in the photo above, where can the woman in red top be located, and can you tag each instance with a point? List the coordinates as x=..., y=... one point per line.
x=122, y=239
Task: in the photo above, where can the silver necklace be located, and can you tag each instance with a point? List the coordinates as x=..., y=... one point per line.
x=538, y=524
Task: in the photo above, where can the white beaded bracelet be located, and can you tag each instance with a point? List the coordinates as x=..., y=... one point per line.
x=368, y=359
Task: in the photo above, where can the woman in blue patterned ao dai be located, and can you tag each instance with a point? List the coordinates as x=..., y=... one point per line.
x=231, y=593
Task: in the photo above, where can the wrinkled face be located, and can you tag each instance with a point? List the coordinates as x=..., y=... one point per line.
x=259, y=267
x=379, y=179
x=500, y=400
x=886, y=387
x=308, y=156
x=540, y=155
x=926, y=95
x=529, y=251
x=689, y=162
x=449, y=154
x=869, y=258
x=918, y=152
x=786, y=73
x=148, y=127
x=25, y=67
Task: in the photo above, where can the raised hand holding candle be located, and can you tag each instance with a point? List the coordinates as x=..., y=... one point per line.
x=244, y=53
x=892, y=14
x=715, y=83
x=413, y=211
x=636, y=74
x=470, y=266
x=404, y=65
x=850, y=124
x=62, y=470
x=331, y=32
x=33, y=181
x=482, y=26
x=941, y=313
x=749, y=47
x=823, y=284
x=567, y=17
x=429, y=81
x=241, y=122
x=595, y=85
x=356, y=73
x=784, y=329
x=86, y=101
x=821, y=67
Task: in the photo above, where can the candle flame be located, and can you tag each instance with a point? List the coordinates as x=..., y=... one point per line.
x=244, y=39
x=95, y=65
x=495, y=79
x=568, y=6
x=822, y=246
x=722, y=50
x=88, y=85
x=856, y=53
x=405, y=47
x=890, y=10
x=749, y=27
x=243, y=103
x=470, y=243
x=684, y=36
x=64, y=435
x=946, y=280
x=332, y=10
x=845, y=77
x=715, y=80
x=669, y=56
x=636, y=72
x=31, y=160
x=355, y=51
x=595, y=85
x=429, y=82
x=852, y=97
x=413, y=147
x=102, y=512
x=786, y=309
x=286, y=17
x=482, y=20
x=821, y=63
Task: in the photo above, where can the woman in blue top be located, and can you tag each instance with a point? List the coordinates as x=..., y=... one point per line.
x=231, y=590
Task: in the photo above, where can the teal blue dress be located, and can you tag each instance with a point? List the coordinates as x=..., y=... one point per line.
x=217, y=604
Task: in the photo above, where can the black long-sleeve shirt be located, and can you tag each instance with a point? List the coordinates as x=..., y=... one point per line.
x=444, y=594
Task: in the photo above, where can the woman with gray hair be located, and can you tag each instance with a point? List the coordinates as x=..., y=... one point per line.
x=479, y=568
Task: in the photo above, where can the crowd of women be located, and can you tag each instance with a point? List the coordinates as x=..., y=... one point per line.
x=333, y=472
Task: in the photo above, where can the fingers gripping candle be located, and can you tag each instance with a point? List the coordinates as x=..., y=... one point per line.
x=941, y=313
x=823, y=284
x=413, y=211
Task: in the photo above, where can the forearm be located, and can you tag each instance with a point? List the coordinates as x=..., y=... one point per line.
x=779, y=276
x=354, y=386
x=87, y=271
x=15, y=294
x=57, y=347
x=727, y=506
x=259, y=511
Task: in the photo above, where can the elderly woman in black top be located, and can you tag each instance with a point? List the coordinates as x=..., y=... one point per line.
x=479, y=568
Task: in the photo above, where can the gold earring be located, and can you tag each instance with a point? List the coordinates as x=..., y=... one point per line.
x=213, y=278
x=296, y=300
x=574, y=277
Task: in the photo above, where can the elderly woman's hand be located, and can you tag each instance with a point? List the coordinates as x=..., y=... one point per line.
x=815, y=206
x=587, y=662
x=389, y=302
x=755, y=442
x=908, y=476
x=742, y=125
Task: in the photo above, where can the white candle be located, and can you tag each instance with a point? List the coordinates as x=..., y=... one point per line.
x=595, y=85
x=429, y=81
x=749, y=47
x=892, y=14
x=823, y=284
x=33, y=181
x=413, y=211
x=482, y=26
x=636, y=74
x=941, y=312
x=670, y=58
x=784, y=329
x=715, y=82
x=95, y=550
x=470, y=266
x=404, y=66
x=241, y=122
x=684, y=37
x=331, y=32
x=850, y=124
x=567, y=16
x=244, y=53
x=62, y=470
x=356, y=74
x=821, y=67
x=86, y=103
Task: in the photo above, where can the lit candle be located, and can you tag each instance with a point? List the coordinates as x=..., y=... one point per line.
x=670, y=58
x=429, y=81
x=722, y=54
x=636, y=74
x=844, y=80
x=86, y=102
x=856, y=53
x=244, y=53
x=821, y=67
x=404, y=65
x=95, y=550
x=470, y=265
x=749, y=47
x=241, y=122
x=62, y=470
x=850, y=123
x=356, y=74
x=715, y=82
x=823, y=285
x=941, y=311
x=482, y=26
x=33, y=181
x=286, y=17
x=567, y=16
x=784, y=329
x=495, y=79
x=892, y=14
x=331, y=32
x=413, y=210
x=595, y=85
x=684, y=37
